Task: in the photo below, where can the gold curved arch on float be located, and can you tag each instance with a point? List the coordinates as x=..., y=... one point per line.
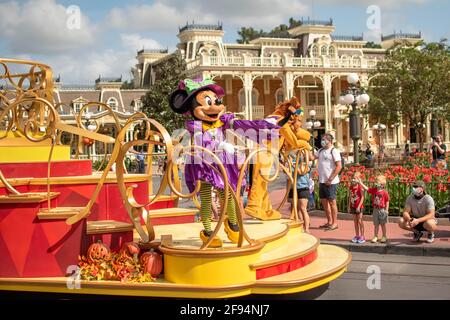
x=240, y=182
x=192, y=152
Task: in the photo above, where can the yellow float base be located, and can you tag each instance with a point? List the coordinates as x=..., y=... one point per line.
x=189, y=275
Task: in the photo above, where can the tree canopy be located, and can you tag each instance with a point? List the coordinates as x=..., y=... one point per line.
x=156, y=100
x=412, y=81
x=247, y=34
x=371, y=44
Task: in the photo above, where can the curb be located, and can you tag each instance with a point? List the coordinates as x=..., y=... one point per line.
x=348, y=216
x=389, y=248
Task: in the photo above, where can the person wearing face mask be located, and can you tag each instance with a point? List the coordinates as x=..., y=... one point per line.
x=355, y=207
x=329, y=165
x=380, y=203
x=418, y=215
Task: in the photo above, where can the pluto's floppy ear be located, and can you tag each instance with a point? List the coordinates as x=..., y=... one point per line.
x=177, y=101
x=294, y=101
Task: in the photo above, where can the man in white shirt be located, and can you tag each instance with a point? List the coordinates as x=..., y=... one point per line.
x=329, y=166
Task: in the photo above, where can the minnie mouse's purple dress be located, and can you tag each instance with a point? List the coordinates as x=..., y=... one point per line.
x=196, y=167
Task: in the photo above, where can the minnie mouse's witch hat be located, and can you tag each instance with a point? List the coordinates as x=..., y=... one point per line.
x=180, y=100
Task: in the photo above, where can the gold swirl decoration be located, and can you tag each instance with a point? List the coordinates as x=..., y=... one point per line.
x=27, y=106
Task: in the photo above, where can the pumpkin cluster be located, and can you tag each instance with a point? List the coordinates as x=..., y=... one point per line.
x=126, y=265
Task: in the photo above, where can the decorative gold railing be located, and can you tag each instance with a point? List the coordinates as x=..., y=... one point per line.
x=26, y=105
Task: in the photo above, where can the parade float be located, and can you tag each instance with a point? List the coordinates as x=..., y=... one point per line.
x=65, y=228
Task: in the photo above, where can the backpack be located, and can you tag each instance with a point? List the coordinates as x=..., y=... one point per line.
x=342, y=159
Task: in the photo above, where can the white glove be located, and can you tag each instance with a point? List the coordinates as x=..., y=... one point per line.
x=227, y=147
x=271, y=121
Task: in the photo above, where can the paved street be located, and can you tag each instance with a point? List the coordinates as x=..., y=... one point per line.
x=401, y=277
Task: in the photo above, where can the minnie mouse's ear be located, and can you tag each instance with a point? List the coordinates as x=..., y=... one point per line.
x=178, y=101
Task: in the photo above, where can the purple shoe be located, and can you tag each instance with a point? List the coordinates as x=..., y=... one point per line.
x=355, y=239
x=361, y=240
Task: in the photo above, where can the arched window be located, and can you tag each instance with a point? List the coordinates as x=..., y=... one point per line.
x=77, y=104
x=332, y=51
x=279, y=95
x=323, y=50
x=136, y=105
x=314, y=51
x=112, y=103
x=255, y=96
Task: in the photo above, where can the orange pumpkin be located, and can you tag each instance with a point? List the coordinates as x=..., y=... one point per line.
x=129, y=249
x=88, y=141
x=98, y=252
x=152, y=263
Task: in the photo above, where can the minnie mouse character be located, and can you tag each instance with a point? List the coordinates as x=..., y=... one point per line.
x=203, y=101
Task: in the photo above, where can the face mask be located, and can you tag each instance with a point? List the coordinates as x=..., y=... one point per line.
x=417, y=192
x=323, y=143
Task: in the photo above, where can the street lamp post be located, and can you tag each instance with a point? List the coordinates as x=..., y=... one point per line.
x=379, y=128
x=311, y=124
x=434, y=131
x=396, y=126
x=354, y=96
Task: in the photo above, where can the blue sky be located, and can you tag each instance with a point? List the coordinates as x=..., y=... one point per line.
x=111, y=31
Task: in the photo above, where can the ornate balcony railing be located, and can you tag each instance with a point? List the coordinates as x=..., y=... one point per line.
x=311, y=22
x=269, y=62
x=402, y=35
x=153, y=51
x=320, y=111
x=346, y=38
x=194, y=26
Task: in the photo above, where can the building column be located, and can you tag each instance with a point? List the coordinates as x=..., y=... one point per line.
x=248, y=87
x=93, y=151
x=340, y=135
x=193, y=50
x=327, y=97
x=366, y=130
x=288, y=85
x=364, y=133
x=188, y=53
x=401, y=137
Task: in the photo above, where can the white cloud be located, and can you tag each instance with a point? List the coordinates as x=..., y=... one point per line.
x=40, y=27
x=381, y=3
x=390, y=22
x=156, y=16
x=37, y=30
x=86, y=67
x=168, y=15
x=135, y=42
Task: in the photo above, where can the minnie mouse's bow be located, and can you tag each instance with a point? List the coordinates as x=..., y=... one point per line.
x=192, y=85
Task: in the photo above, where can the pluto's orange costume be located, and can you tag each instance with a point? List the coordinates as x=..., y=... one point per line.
x=292, y=137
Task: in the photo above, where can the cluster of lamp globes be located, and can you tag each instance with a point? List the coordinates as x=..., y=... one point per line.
x=349, y=98
x=311, y=123
x=90, y=127
x=379, y=126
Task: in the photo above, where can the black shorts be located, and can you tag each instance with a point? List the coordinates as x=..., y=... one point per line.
x=353, y=211
x=420, y=226
x=302, y=193
x=327, y=192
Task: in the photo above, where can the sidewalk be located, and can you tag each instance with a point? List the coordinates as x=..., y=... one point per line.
x=399, y=241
